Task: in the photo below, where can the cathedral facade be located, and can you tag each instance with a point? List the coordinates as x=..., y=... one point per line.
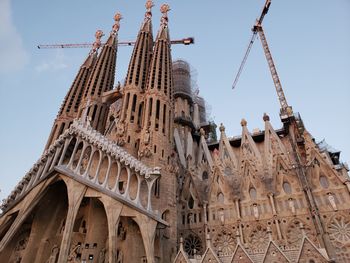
x=136, y=173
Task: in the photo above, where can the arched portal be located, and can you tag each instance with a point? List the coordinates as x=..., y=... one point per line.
x=42, y=230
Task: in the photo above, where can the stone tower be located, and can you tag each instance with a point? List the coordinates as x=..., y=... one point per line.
x=133, y=108
x=101, y=81
x=70, y=107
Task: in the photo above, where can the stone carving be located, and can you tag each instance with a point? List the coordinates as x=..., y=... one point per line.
x=259, y=238
x=225, y=242
x=332, y=201
x=72, y=257
x=256, y=211
x=54, y=254
x=222, y=216
x=291, y=205
x=339, y=230
x=102, y=256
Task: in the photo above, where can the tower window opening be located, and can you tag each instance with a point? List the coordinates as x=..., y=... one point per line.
x=157, y=114
x=205, y=175
x=139, y=115
x=126, y=104
x=150, y=111
x=155, y=148
x=133, y=108
x=128, y=139
x=164, y=116
x=157, y=188
x=162, y=153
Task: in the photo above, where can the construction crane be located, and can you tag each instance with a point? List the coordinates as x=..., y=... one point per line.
x=184, y=41
x=293, y=122
x=286, y=111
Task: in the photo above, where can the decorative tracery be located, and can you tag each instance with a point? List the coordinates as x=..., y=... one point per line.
x=193, y=245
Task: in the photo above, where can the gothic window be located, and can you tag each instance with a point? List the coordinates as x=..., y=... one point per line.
x=252, y=193
x=192, y=245
x=139, y=116
x=150, y=111
x=205, y=175
x=287, y=188
x=324, y=181
x=190, y=202
x=156, y=187
x=164, y=114
x=133, y=108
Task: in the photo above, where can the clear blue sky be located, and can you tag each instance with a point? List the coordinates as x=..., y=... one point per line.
x=309, y=41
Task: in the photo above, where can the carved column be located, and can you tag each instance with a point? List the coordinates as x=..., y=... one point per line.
x=278, y=227
x=76, y=192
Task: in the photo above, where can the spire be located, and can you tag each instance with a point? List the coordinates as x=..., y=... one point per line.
x=160, y=73
x=102, y=76
x=102, y=79
x=141, y=55
x=71, y=103
x=158, y=117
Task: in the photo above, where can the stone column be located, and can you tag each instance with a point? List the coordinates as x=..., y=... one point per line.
x=76, y=192
x=113, y=210
x=148, y=232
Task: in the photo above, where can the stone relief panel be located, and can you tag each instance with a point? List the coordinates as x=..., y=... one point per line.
x=258, y=238
x=339, y=233
x=224, y=242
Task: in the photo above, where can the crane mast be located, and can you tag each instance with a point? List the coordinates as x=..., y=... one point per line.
x=286, y=111
x=294, y=124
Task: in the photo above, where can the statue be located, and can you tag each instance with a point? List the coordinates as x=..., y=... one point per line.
x=256, y=211
x=222, y=216
x=147, y=137
x=332, y=201
x=291, y=205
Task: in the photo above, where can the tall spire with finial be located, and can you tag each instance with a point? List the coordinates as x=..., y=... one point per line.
x=135, y=83
x=158, y=117
x=102, y=78
x=72, y=101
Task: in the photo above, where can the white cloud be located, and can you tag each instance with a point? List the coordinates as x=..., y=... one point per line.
x=12, y=54
x=56, y=63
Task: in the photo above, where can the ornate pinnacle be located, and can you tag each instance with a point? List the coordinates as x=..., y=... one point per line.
x=149, y=4
x=164, y=9
x=243, y=122
x=266, y=117
x=222, y=127
x=97, y=44
x=116, y=26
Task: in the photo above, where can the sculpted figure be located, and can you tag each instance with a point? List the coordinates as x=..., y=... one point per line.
x=256, y=211
x=332, y=201
x=291, y=205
